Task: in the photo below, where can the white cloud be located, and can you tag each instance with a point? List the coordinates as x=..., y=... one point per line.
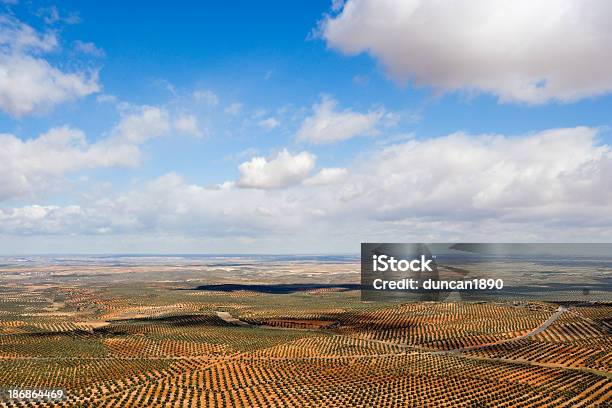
x=51, y=15
x=328, y=125
x=208, y=97
x=16, y=36
x=327, y=176
x=337, y=5
x=546, y=186
x=269, y=123
x=233, y=108
x=142, y=123
x=188, y=124
x=462, y=177
x=185, y=209
x=39, y=165
x=27, y=81
x=88, y=48
x=520, y=51
x=28, y=84
x=107, y=98
x=35, y=165
x=281, y=171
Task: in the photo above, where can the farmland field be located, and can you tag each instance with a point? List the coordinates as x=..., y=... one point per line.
x=241, y=332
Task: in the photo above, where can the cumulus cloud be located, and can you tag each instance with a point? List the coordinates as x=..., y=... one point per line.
x=51, y=15
x=549, y=185
x=186, y=209
x=269, y=123
x=328, y=125
x=520, y=51
x=39, y=165
x=327, y=176
x=188, y=124
x=488, y=176
x=283, y=170
x=28, y=82
x=88, y=48
x=142, y=123
x=42, y=220
x=107, y=98
x=16, y=36
x=30, y=166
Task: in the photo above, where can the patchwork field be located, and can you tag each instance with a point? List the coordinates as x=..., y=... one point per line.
x=161, y=335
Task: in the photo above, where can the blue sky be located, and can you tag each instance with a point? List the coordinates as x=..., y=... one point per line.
x=266, y=105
